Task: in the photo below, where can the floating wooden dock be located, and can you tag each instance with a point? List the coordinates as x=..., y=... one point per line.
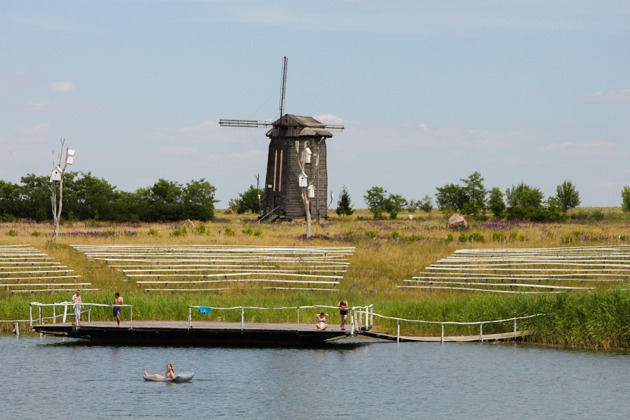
x=197, y=333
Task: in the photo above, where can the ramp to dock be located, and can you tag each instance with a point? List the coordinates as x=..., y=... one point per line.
x=455, y=338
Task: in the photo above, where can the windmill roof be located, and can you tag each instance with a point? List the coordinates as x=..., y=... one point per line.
x=298, y=126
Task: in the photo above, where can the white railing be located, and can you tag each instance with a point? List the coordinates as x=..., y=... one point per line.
x=443, y=323
x=362, y=318
x=64, y=314
x=359, y=315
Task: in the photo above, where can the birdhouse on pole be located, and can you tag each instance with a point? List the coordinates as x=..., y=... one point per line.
x=70, y=156
x=307, y=155
x=56, y=174
x=303, y=180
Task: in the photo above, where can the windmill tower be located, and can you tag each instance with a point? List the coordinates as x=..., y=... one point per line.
x=296, y=183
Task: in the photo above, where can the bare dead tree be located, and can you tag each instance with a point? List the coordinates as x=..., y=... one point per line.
x=56, y=182
x=305, y=199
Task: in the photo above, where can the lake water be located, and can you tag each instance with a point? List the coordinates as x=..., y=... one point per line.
x=53, y=378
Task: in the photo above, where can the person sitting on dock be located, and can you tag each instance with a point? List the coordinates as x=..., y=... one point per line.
x=170, y=373
x=118, y=300
x=321, y=321
x=76, y=305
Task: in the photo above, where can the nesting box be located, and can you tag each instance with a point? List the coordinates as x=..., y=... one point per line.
x=56, y=174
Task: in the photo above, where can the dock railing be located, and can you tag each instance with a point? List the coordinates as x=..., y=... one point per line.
x=40, y=316
x=444, y=323
x=360, y=317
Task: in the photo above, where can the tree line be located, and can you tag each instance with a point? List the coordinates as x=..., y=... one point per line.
x=472, y=198
x=86, y=197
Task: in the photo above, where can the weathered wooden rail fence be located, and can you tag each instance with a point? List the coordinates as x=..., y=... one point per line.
x=24, y=269
x=199, y=268
x=527, y=270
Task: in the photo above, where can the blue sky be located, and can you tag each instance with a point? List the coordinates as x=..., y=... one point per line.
x=428, y=91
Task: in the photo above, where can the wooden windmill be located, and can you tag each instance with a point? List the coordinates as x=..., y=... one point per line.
x=296, y=184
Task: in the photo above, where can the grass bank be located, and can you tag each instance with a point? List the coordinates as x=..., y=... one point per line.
x=387, y=252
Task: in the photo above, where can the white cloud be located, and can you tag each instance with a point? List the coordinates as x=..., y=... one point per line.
x=41, y=105
x=622, y=95
x=328, y=119
x=206, y=125
x=62, y=87
x=37, y=129
x=589, y=150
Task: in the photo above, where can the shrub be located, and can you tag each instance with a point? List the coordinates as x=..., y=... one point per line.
x=179, y=232
x=344, y=205
x=625, y=199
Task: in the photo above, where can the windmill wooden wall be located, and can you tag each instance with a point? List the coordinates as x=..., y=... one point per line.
x=283, y=195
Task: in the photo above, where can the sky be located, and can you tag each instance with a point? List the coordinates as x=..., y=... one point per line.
x=429, y=91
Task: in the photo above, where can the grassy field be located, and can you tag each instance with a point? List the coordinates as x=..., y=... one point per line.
x=387, y=252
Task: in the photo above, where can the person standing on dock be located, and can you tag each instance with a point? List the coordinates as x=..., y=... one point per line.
x=76, y=305
x=118, y=301
x=343, y=312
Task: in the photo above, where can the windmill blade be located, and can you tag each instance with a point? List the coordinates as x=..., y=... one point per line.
x=243, y=123
x=285, y=64
x=334, y=127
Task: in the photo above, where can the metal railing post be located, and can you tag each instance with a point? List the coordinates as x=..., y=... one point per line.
x=442, y=336
x=481, y=332
x=54, y=314
x=189, y=316
x=352, y=320
x=65, y=312
x=30, y=315
x=242, y=318
x=41, y=320
x=298, y=317
x=514, y=327
x=397, y=331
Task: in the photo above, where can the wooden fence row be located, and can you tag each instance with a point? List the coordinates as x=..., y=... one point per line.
x=205, y=268
x=527, y=270
x=24, y=269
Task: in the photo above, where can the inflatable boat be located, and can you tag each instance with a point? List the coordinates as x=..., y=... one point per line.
x=180, y=377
